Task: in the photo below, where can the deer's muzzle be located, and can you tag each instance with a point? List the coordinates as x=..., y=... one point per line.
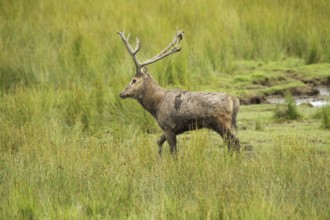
x=123, y=95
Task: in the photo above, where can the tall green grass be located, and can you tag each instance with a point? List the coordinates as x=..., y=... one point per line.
x=71, y=149
x=48, y=42
x=90, y=177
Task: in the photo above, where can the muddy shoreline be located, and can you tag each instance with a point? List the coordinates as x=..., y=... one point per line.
x=315, y=93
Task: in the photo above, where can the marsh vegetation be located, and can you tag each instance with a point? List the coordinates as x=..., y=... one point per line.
x=71, y=149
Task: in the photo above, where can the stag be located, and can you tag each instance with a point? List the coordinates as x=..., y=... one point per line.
x=177, y=111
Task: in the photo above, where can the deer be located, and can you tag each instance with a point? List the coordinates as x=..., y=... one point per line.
x=178, y=111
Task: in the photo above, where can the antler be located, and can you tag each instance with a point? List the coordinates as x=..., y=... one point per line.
x=173, y=47
x=130, y=49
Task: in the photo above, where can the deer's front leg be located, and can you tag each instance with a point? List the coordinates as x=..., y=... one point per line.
x=171, y=139
x=160, y=143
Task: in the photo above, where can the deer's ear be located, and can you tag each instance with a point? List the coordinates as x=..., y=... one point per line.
x=141, y=72
x=144, y=70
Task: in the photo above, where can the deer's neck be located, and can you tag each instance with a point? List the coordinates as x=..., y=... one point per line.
x=152, y=96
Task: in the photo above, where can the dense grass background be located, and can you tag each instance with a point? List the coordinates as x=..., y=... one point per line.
x=70, y=149
x=63, y=43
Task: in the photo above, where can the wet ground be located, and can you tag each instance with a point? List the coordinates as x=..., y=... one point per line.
x=320, y=100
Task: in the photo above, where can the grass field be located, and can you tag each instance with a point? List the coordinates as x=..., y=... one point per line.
x=71, y=149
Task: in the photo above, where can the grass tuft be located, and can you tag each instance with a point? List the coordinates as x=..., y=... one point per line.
x=323, y=115
x=289, y=111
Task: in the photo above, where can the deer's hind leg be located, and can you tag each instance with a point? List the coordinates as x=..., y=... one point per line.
x=225, y=131
x=233, y=141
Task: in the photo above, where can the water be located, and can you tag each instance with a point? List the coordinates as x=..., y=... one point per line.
x=324, y=90
x=322, y=99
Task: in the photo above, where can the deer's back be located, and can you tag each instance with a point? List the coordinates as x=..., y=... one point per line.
x=183, y=109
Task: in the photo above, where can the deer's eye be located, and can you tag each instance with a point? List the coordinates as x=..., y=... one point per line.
x=133, y=81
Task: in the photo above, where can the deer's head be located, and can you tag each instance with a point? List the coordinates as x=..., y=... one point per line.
x=137, y=85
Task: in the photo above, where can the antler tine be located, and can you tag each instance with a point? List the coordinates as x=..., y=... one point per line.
x=138, y=46
x=130, y=49
x=166, y=52
x=175, y=41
